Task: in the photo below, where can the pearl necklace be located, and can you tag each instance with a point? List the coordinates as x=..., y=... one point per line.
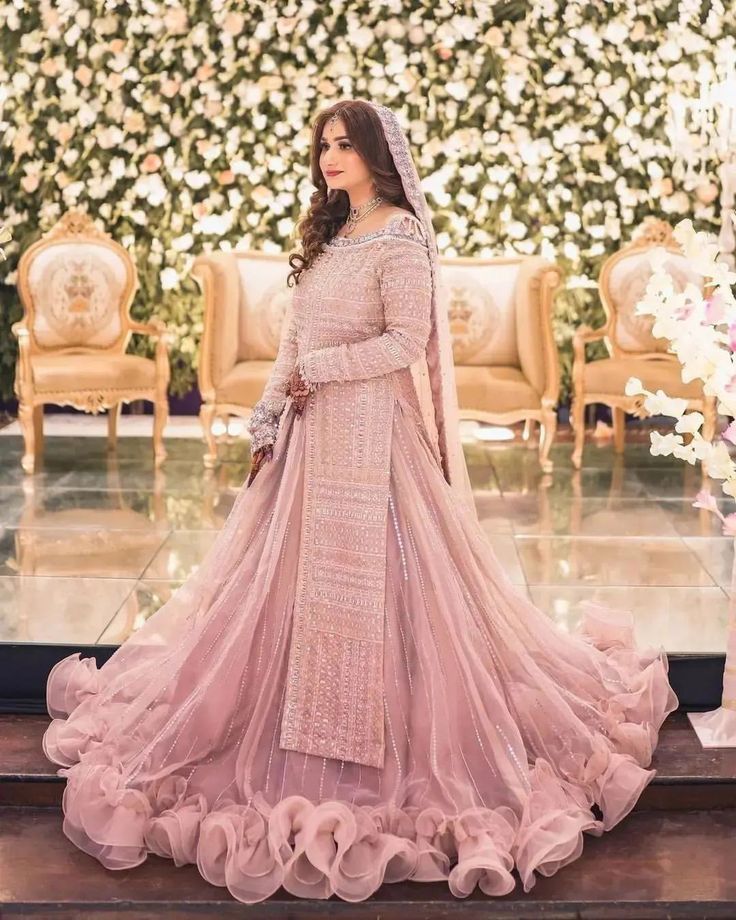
x=357, y=214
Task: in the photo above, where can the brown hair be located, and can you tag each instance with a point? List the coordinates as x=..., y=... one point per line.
x=328, y=209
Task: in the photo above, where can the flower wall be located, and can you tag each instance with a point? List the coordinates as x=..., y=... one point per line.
x=538, y=127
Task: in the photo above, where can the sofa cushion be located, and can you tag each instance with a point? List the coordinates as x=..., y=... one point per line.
x=264, y=301
x=609, y=376
x=244, y=383
x=53, y=373
x=625, y=284
x=77, y=290
x=494, y=389
x=481, y=309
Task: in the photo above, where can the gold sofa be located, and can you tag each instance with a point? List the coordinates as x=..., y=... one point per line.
x=76, y=285
x=633, y=350
x=506, y=362
x=500, y=316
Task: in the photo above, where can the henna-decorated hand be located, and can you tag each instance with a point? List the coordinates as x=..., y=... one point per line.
x=298, y=389
x=257, y=460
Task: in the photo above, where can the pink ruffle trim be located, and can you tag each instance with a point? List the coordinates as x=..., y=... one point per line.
x=335, y=847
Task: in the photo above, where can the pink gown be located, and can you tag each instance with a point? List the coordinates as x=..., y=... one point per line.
x=275, y=725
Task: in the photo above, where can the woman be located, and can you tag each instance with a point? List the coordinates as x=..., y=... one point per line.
x=349, y=690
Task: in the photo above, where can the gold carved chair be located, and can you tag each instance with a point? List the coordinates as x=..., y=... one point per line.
x=500, y=316
x=76, y=285
x=633, y=350
x=246, y=300
x=506, y=361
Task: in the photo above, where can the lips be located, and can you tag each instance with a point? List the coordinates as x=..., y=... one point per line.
x=336, y=173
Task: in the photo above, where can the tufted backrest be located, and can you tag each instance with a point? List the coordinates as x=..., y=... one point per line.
x=76, y=285
x=264, y=299
x=623, y=282
x=482, y=314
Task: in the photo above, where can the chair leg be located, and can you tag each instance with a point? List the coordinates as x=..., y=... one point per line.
x=160, y=417
x=26, y=420
x=577, y=417
x=710, y=413
x=527, y=436
x=549, y=429
x=206, y=417
x=38, y=430
x=113, y=415
x=619, y=429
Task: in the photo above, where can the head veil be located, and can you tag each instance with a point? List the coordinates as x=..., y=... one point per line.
x=434, y=373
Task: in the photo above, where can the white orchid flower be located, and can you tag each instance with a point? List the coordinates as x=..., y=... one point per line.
x=690, y=423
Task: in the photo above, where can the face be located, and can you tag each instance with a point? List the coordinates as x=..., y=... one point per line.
x=338, y=156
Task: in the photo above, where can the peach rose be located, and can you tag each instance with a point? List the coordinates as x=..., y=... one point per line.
x=706, y=192
x=152, y=163
x=133, y=121
x=176, y=20
x=30, y=183
x=203, y=145
x=204, y=72
x=49, y=67
x=65, y=133
x=494, y=37
x=170, y=87
x=226, y=177
x=233, y=23
x=84, y=74
x=117, y=45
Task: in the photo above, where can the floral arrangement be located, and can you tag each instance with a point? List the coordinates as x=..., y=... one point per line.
x=538, y=128
x=701, y=327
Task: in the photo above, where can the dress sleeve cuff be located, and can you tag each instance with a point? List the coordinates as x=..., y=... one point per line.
x=307, y=372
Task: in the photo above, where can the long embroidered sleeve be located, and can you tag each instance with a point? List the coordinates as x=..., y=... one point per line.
x=263, y=423
x=406, y=292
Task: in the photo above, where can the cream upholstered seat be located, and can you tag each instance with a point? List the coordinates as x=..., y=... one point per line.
x=500, y=317
x=506, y=362
x=246, y=300
x=633, y=350
x=76, y=285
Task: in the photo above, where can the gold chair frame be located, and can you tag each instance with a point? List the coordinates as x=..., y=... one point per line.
x=211, y=406
x=548, y=279
x=77, y=226
x=654, y=232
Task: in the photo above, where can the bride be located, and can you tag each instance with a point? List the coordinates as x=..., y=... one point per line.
x=349, y=690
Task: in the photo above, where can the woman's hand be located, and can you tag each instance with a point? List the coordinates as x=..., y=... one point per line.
x=298, y=389
x=257, y=460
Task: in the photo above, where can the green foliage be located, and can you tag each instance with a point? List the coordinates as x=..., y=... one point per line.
x=186, y=128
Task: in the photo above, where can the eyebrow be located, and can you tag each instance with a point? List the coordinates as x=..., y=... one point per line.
x=342, y=137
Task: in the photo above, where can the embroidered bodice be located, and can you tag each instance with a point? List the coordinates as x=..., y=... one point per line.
x=362, y=309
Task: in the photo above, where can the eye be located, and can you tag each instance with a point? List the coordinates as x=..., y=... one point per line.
x=343, y=145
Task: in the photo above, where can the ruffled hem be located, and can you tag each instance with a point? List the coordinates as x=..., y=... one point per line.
x=334, y=847
x=315, y=850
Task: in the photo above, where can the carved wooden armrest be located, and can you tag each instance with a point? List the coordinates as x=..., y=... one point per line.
x=21, y=331
x=158, y=331
x=582, y=336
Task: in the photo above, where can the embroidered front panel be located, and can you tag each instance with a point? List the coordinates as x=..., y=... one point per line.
x=334, y=693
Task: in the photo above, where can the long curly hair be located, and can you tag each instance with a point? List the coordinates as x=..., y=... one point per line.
x=329, y=208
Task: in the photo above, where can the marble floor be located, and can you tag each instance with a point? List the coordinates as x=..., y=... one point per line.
x=92, y=543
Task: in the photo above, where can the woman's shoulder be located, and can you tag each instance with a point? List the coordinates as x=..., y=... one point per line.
x=403, y=223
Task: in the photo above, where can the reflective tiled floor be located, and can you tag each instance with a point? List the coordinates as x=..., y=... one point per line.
x=91, y=545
